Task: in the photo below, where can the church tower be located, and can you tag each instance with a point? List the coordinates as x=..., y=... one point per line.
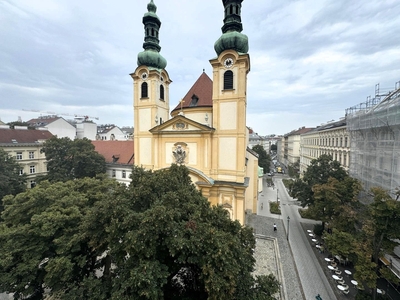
x=150, y=90
x=230, y=69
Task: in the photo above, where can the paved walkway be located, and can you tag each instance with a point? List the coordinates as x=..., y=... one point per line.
x=302, y=276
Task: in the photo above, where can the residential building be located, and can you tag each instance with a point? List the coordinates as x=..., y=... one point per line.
x=85, y=128
x=374, y=128
x=255, y=139
x=207, y=130
x=58, y=126
x=110, y=133
x=25, y=146
x=291, y=146
x=119, y=158
x=331, y=138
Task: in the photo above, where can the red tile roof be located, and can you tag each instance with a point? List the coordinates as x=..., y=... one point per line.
x=202, y=89
x=22, y=136
x=118, y=152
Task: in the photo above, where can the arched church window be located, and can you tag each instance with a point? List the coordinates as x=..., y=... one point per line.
x=231, y=9
x=145, y=93
x=228, y=80
x=237, y=9
x=161, y=92
x=152, y=32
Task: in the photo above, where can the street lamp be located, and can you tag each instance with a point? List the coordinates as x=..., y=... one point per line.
x=288, y=219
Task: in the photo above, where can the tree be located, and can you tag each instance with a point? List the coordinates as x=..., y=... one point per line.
x=335, y=202
x=293, y=169
x=380, y=234
x=11, y=182
x=264, y=159
x=45, y=240
x=158, y=239
x=318, y=172
x=371, y=232
x=69, y=159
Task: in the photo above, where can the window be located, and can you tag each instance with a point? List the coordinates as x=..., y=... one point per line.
x=32, y=169
x=123, y=174
x=31, y=154
x=345, y=141
x=228, y=80
x=144, y=90
x=113, y=173
x=194, y=101
x=33, y=184
x=19, y=155
x=161, y=92
x=21, y=171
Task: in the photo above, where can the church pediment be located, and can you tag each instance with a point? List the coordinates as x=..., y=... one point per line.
x=182, y=125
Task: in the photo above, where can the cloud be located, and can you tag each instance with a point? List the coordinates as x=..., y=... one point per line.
x=310, y=60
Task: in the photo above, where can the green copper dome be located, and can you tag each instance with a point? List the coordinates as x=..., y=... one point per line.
x=150, y=56
x=232, y=38
x=151, y=59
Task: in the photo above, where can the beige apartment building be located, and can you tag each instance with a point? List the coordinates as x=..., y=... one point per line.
x=331, y=139
x=291, y=146
x=24, y=145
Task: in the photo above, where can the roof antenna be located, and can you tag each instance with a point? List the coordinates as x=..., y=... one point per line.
x=204, y=70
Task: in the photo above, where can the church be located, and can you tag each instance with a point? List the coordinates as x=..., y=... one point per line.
x=207, y=130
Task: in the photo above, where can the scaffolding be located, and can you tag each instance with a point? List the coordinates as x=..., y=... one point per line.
x=374, y=128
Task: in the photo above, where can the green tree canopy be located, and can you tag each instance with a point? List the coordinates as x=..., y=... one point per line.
x=318, y=172
x=264, y=159
x=67, y=159
x=11, y=182
x=372, y=231
x=158, y=239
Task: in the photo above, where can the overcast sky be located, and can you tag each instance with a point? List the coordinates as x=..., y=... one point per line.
x=310, y=59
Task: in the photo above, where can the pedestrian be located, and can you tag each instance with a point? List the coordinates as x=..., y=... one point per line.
x=274, y=227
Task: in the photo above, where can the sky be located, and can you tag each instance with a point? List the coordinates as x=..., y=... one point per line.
x=310, y=59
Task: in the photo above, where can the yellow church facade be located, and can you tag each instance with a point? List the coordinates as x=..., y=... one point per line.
x=207, y=130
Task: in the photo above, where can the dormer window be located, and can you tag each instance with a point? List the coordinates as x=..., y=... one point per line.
x=194, y=101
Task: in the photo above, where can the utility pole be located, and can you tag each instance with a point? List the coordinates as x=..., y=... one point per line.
x=288, y=219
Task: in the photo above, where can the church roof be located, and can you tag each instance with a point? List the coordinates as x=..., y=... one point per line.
x=201, y=90
x=117, y=152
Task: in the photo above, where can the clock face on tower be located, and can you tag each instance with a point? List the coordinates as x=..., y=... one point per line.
x=144, y=75
x=228, y=62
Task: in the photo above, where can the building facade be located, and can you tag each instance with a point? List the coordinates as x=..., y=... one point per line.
x=374, y=128
x=207, y=131
x=119, y=158
x=58, y=126
x=25, y=146
x=331, y=139
x=291, y=146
